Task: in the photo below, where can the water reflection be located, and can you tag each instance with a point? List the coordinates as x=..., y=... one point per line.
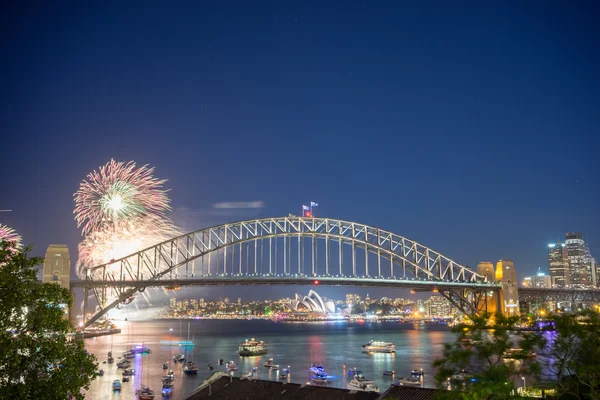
x=338, y=346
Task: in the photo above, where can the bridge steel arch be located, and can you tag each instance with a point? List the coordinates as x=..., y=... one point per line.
x=115, y=282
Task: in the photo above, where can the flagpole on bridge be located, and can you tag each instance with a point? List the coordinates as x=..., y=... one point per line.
x=313, y=204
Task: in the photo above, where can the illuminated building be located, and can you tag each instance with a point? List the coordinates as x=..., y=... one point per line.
x=576, y=255
x=172, y=302
x=437, y=307
x=540, y=280
x=349, y=298
x=509, y=294
x=313, y=302
x=559, y=265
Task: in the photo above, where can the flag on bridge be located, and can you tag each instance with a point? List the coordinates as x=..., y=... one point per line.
x=305, y=208
x=313, y=204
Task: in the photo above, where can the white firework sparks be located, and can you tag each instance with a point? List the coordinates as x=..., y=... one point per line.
x=8, y=234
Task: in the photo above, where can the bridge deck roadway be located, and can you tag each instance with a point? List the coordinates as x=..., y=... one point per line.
x=312, y=281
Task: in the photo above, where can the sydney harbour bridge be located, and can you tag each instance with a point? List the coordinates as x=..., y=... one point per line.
x=296, y=250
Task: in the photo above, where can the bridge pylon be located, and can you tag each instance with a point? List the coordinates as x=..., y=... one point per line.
x=57, y=269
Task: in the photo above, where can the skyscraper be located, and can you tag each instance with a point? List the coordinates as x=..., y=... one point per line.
x=559, y=265
x=576, y=255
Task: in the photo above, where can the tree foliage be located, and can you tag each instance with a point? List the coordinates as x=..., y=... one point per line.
x=480, y=363
x=573, y=355
x=37, y=361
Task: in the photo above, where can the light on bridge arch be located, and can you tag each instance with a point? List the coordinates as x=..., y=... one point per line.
x=316, y=282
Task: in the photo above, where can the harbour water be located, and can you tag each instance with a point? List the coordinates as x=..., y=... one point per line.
x=335, y=345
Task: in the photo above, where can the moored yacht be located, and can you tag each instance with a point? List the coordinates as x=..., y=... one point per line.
x=167, y=389
x=231, y=366
x=410, y=381
x=376, y=346
x=316, y=368
x=320, y=379
x=179, y=358
x=145, y=394
x=359, y=382
x=268, y=363
x=116, y=385
x=252, y=347
x=189, y=368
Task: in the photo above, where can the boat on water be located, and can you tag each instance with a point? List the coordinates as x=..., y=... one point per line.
x=110, y=359
x=124, y=364
x=252, y=347
x=129, y=372
x=165, y=365
x=167, y=389
x=128, y=354
x=139, y=349
x=101, y=372
x=388, y=373
x=249, y=376
x=359, y=382
x=189, y=368
x=462, y=375
x=268, y=363
x=275, y=367
x=316, y=368
x=417, y=373
x=179, y=358
x=210, y=367
x=410, y=381
x=145, y=394
x=354, y=372
x=518, y=353
x=231, y=366
x=376, y=346
x=116, y=385
x=125, y=379
x=282, y=374
x=171, y=374
x=321, y=379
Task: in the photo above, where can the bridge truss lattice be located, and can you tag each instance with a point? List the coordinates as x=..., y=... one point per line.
x=286, y=250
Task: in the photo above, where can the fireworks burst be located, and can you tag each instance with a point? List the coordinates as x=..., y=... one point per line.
x=121, y=240
x=121, y=210
x=8, y=234
x=118, y=192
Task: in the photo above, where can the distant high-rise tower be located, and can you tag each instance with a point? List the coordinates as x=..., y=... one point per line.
x=559, y=265
x=509, y=295
x=576, y=255
x=57, y=269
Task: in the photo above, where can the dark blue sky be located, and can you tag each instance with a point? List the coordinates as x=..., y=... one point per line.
x=471, y=127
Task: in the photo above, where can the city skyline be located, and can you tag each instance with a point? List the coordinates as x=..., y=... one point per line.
x=494, y=149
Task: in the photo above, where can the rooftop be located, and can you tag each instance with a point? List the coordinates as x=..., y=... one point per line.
x=222, y=386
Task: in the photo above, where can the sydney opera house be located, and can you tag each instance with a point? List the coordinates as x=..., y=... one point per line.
x=312, y=303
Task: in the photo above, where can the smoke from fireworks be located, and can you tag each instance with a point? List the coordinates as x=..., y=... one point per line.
x=8, y=234
x=121, y=210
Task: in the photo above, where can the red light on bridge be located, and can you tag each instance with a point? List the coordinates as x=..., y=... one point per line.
x=316, y=282
x=307, y=214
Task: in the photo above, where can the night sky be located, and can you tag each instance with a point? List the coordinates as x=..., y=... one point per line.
x=471, y=127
